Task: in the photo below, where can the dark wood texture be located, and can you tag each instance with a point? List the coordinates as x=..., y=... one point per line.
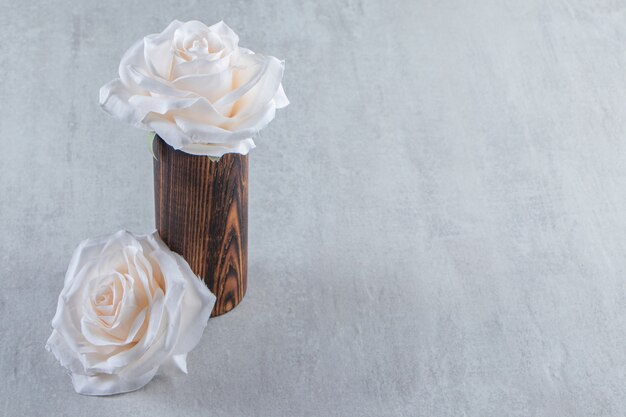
x=202, y=214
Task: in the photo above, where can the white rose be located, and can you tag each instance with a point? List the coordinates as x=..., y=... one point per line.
x=129, y=306
x=197, y=89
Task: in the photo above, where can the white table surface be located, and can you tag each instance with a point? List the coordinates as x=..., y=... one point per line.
x=437, y=221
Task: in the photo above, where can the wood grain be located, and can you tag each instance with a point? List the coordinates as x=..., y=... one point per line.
x=202, y=213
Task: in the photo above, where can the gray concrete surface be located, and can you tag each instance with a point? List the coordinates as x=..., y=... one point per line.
x=437, y=222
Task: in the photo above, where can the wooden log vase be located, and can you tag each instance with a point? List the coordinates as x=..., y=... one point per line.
x=202, y=214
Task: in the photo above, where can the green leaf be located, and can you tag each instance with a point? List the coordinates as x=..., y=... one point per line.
x=151, y=137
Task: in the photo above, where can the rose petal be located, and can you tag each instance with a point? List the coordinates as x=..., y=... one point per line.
x=191, y=107
x=133, y=356
x=180, y=361
x=108, y=384
x=198, y=303
x=157, y=51
x=280, y=98
x=114, y=99
x=132, y=58
x=183, y=68
x=63, y=352
x=219, y=150
x=210, y=86
x=174, y=365
x=226, y=34
x=262, y=92
x=202, y=133
x=168, y=131
x=156, y=86
x=167, y=33
x=255, y=121
x=247, y=73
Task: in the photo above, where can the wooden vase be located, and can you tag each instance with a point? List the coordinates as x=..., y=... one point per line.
x=202, y=214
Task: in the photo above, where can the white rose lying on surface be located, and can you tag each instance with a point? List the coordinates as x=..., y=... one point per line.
x=197, y=89
x=129, y=306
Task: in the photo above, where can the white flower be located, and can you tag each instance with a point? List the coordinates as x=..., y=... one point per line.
x=129, y=306
x=197, y=89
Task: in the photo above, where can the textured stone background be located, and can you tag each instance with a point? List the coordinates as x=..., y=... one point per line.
x=437, y=222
